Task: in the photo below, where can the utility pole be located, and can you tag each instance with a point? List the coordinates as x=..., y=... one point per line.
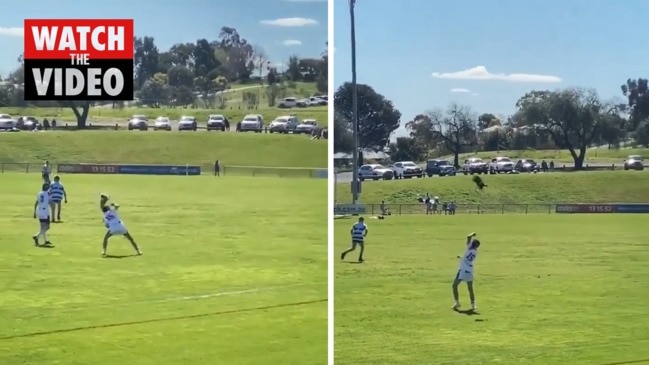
x=355, y=182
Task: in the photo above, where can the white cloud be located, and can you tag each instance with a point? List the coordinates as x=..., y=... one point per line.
x=481, y=73
x=459, y=90
x=292, y=42
x=290, y=22
x=12, y=32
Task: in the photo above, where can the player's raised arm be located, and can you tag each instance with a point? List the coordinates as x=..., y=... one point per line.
x=103, y=199
x=470, y=237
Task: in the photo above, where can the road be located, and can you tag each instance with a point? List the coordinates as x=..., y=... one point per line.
x=346, y=177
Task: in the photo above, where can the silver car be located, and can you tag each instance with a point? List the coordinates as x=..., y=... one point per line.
x=187, y=123
x=162, y=124
x=374, y=172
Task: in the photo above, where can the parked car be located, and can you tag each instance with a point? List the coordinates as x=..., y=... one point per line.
x=306, y=126
x=252, y=123
x=440, y=167
x=287, y=103
x=634, y=162
x=216, y=122
x=501, y=164
x=527, y=165
x=283, y=124
x=187, y=123
x=7, y=123
x=162, y=124
x=315, y=100
x=27, y=123
x=374, y=172
x=475, y=165
x=406, y=170
x=138, y=122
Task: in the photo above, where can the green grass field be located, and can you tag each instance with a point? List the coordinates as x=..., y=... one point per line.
x=550, y=188
x=165, y=148
x=229, y=275
x=234, y=110
x=551, y=289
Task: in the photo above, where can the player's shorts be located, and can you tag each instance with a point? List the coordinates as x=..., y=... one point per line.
x=46, y=176
x=358, y=243
x=56, y=201
x=464, y=275
x=117, y=230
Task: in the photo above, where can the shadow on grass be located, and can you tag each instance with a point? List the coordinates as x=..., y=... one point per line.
x=467, y=312
x=119, y=256
x=45, y=246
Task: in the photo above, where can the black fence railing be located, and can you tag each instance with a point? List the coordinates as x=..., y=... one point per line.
x=401, y=209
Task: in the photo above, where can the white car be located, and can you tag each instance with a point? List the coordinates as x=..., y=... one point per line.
x=187, y=123
x=374, y=172
x=7, y=123
x=306, y=127
x=501, y=165
x=475, y=165
x=406, y=170
x=252, y=123
x=216, y=122
x=283, y=124
x=287, y=103
x=162, y=124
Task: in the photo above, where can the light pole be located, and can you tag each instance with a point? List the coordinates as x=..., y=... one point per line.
x=355, y=182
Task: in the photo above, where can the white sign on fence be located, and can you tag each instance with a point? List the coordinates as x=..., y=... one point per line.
x=344, y=209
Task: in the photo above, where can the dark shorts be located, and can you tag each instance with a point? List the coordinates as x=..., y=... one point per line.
x=45, y=221
x=46, y=176
x=358, y=242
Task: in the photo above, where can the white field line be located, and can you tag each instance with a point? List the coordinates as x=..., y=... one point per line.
x=181, y=298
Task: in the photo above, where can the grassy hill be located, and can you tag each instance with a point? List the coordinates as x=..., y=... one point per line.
x=235, y=109
x=550, y=188
x=242, y=149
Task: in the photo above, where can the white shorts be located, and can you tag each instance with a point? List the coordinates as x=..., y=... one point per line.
x=464, y=275
x=43, y=214
x=117, y=230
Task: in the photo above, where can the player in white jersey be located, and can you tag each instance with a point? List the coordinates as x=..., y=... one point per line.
x=46, y=170
x=359, y=232
x=42, y=213
x=115, y=225
x=466, y=270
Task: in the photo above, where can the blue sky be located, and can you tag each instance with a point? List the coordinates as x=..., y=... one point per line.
x=281, y=27
x=475, y=47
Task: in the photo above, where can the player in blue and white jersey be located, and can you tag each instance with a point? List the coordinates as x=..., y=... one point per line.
x=115, y=225
x=57, y=195
x=466, y=270
x=359, y=232
x=42, y=213
x=46, y=170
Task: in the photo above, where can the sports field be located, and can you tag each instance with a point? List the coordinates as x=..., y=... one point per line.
x=551, y=289
x=231, y=274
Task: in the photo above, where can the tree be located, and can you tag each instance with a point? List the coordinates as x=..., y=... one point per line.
x=637, y=94
x=377, y=117
x=487, y=120
x=406, y=149
x=572, y=117
x=239, y=54
x=343, y=136
x=180, y=76
x=422, y=131
x=272, y=77
x=145, y=60
x=293, y=69
x=80, y=110
x=455, y=127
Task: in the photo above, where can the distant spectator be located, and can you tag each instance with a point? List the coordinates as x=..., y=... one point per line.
x=544, y=166
x=53, y=123
x=238, y=127
x=552, y=165
x=451, y=208
x=226, y=122
x=217, y=168
x=46, y=124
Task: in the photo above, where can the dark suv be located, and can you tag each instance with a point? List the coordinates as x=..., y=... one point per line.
x=439, y=167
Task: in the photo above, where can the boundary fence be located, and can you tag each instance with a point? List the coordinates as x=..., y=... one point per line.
x=224, y=170
x=533, y=208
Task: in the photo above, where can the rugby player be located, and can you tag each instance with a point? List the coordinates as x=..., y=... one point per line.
x=58, y=195
x=42, y=213
x=359, y=232
x=465, y=272
x=115, y=225
x=46, y=170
